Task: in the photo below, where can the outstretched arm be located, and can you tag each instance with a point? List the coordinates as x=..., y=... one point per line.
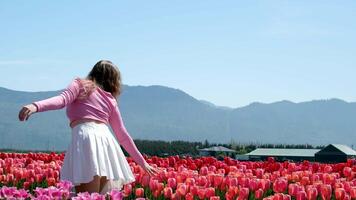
x=67, y=96
x=124, y=138
x=57, y=102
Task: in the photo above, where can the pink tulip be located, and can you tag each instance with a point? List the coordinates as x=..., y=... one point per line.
x=280, y=185
x=172, y=183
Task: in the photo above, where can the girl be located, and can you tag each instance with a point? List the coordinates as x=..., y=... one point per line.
x=94, y=161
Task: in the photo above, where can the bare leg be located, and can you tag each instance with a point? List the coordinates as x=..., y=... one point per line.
x=103, y=181
x=90, y=187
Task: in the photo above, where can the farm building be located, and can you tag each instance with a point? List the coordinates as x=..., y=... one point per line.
x=283, y=154
x=335, y=153
x=217, y=151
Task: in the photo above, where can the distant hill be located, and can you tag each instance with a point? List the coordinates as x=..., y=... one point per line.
x=162, y=113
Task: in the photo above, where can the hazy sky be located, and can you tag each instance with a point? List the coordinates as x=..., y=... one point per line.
x=230, y=53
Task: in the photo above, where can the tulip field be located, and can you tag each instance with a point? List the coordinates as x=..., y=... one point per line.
x=36, y=176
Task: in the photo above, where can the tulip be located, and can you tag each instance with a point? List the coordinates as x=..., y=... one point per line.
x=347, y=171
x=217, y=180
x=340, y=193
x=244, y=193
x=280, y=185
x=167, y=192
x=201, y=193
x=301, y=195
x=181, y=189
x=353, y=193
x=326, y=192
x=139, y=192
x=209, y=192
x=172, y=183
x=312, y=193
x=156, y=193
x=259, y=194
x=189, y=196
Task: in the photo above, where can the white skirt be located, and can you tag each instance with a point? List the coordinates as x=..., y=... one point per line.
x=95, y=151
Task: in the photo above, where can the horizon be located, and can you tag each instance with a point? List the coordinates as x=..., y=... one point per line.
x=230, y=54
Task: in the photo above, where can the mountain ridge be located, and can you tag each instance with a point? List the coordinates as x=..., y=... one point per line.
x=162, y=113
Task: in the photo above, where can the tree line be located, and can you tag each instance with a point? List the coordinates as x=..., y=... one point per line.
x=178, y=147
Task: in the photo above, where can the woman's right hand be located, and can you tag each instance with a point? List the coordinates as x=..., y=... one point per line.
x=26, y=111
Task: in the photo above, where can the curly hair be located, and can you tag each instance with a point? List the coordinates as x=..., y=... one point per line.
x=107, y=76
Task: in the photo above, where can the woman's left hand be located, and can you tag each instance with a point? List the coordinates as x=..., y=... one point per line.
x=152, y=171
x=26, y=111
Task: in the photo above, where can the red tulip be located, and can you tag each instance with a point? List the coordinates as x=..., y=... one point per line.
x=172, y=182
x=209, y=192
x=9, y=178
x=353, y=193
x=51, y=181
x=203, y=181
x=259, y=172
x=189, y=196
x=201, y=193
x=145, y=180
x=214, y=198
x=181, y=189
x=218, y=179
x=301, y=195
x=156, y=193
x=340, y=193
x=325, y=192
x=159, y=186
x=286, y=197
x=139, y=192
x=259, y=194
x=232, y=181
x=167, y=192
x=264, y=184
x=305, y=180
x=244, y=193
x=26, y=185
x=204, y=171
x=153, y=184
x=312, y=193
x=347, y=171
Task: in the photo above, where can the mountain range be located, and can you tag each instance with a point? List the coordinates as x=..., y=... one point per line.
x=163, y=113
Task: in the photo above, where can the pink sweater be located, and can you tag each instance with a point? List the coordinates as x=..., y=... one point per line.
x=99, y=105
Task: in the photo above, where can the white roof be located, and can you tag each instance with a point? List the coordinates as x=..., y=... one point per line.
x=346, y=149
x=218, y=148
x=283, y=152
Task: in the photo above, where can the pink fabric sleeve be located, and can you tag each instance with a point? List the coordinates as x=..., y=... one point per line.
x=67, y=96
x=123, y=136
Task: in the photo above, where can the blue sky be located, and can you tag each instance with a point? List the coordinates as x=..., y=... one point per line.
x=230, y=53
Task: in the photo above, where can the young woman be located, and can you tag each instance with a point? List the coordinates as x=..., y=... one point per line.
x=94, y=161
